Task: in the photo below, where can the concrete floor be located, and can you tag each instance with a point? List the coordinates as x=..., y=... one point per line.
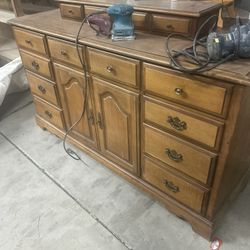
x=50, y=201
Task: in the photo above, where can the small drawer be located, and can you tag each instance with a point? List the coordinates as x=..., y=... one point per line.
x=37, y=64
x=140, y=20
x=168, y=24
x=178, y=154
x=182, y=122
x=92, y=9
x=195, y=91
x=114, y=67
x=30, y=40
x=71, y=11
x=49, y=112
x=176, y=187
x=42, y=88
x=65, y=52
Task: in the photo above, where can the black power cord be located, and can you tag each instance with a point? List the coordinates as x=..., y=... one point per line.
x=200, y=60
x=68, y=150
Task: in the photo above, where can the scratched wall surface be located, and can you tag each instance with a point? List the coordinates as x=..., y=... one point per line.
x=49, y=201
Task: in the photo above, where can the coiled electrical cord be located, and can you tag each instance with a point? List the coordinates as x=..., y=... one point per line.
x=68, y=150
x=200, y=60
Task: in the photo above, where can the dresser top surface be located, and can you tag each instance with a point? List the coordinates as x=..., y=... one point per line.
x=147, y=47
x=185, y=7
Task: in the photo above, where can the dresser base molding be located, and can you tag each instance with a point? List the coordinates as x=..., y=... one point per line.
x=199, y=224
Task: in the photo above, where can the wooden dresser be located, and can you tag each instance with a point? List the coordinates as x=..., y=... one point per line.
x=183, y=139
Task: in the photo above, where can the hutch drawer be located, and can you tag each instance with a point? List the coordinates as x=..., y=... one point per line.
x=176, y=187
x=48, y=112
x=114, y=67
x=30, y=40
x=183, y=122
x=71, y=11
x=37, y=64
x=187, y=90
x=42, y=88
x=65, y=52
x=184, y=157
x=169, y=24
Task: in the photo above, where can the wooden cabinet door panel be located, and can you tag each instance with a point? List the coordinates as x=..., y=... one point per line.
x=71, y=86
x=117, y=123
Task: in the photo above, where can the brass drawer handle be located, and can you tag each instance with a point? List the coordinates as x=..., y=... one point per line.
x=48, y=114
x=28, y=42
x=91, y=117
x=176, y=123
x=35, y=65
x=178, y=91
x=170, y=27
x=71, y=11
x=42, y=89
x=173, y=155
x=109, y=68
x=170, y=185
x=64, y=53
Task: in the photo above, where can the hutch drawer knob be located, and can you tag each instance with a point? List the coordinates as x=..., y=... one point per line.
x=170, y=27
x=173, y=155
x=28, y=42
x=178, y=91
x=71, y=11
x=170, y=185
x=42, y=89
x=64, y=53
x=176, y=123
x=109, y=68
x=48, y=114
x=35, y=65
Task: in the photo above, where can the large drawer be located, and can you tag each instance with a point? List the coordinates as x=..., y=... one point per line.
x=37, y=64
x=65, y=52
x=72, y=11
x=168, y=24
x=178, y=154
x=30, y=40
x=49, y=112
x=42, y=88
x=176, y=187
x=182, y=122
x=114, y=67
x=195, y=91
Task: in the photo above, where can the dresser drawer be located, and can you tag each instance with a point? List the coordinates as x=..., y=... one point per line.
x=114, y=67
x=42, y=88
x=65, y=52
x=30, y=40
x=182, y=122
x=37, y=64
x=176, y=187
x=71, y=11
x=178, y=154
x=49, y=113
x=168, y=24
x=191, y=90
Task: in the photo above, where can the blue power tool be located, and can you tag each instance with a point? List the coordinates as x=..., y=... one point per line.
x=123, y=27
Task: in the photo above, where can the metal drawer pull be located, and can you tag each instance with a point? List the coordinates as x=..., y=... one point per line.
x=176, y=123
x=173, y=155
x=48, y=114
x=170, y=185
x=91, y=117
x=178, y=91
x=109, y=68
x=42, y=89
x=64, y=53
x=99, y=120
x=71, y=11
x=28, y=42
x=35, y=65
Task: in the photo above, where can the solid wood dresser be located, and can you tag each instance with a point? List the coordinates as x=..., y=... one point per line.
x=184, y=139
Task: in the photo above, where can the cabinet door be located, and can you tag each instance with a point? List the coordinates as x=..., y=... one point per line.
x=71, y=85
x=117, y=119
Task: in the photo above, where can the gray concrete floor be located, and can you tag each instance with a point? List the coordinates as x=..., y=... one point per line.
x=50, y=201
